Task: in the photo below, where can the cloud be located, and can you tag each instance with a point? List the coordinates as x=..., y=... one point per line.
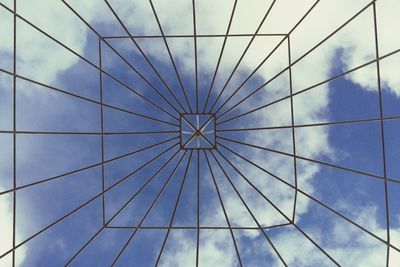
x=216, y=249
x=347, y=244
x=6, y=230
x=360, y=47
x=33, y=50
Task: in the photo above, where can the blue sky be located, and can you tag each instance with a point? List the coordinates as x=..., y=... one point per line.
x=262, y=171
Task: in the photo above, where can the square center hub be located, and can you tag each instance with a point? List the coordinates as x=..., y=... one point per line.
x=197, y=130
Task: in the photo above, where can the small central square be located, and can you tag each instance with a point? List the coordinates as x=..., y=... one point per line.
x=197, y=131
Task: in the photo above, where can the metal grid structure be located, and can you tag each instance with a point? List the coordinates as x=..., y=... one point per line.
x=216, y=150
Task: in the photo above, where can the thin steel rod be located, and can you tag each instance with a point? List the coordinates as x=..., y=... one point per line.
x=308, y=125
x=85, y=98
x=251, y=74
x=242, y=56
x=120, y=209
x=315, y=244
x=85, y=60
x=84, y=246
x=170, y=55
x=148, y=210
x=300, y=58
x=40, y=181
x=170, y=227
x=378, y=74
x=86, y=133
x=145, y=185
x=293, y=130
x=249, y=210
x=84, y=204
x=14, y=134
x=143, y=54
x=301, y=91
x=215, y=228
x=119, y=55
x=370, y=175
x=224, y=210
x=146, y=80
x=195, y=54
x=191, y=36
x=198, y=211
x=102, y=134
x=290, y=220
x=220, y=55
x=270, y=54
x=194, y=227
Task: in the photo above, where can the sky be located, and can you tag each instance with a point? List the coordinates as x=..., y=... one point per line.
x=311, y=64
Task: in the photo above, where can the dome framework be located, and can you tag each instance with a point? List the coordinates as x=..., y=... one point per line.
x=198, y=135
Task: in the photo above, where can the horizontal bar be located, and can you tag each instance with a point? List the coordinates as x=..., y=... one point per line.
x=191, y=36
x=195, y=227
x=309, y=125
x=86, y=133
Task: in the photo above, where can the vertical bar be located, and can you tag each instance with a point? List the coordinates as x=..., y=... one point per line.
x=195, y=55
x=198, y=209
x=220, y=56
x=382, y=135
x=180, y=131
x=215, y=131
x=130, y=239
x=170, y=227
x=170, y=55
x=224, y=210
x=102, y=132
x=14, y=131
x=197, y=129
x=248, y=208
x=293, y=130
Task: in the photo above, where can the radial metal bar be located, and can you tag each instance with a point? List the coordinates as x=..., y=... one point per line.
x=148, y=211
x=224, y=210
x=249, y=210
x=170, y=227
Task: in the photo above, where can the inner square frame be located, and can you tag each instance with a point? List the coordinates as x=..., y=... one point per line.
x=292, y=212
x=211, y=146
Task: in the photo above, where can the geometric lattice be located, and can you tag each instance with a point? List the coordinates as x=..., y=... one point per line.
x=199, y=147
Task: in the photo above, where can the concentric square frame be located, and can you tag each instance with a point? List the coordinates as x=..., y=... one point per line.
x=286, y=41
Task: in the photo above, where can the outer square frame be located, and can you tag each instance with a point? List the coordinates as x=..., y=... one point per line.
x=214, y=115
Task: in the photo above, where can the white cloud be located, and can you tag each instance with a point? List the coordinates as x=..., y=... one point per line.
x=6, y=230
x=348, y=245
x=33, y=50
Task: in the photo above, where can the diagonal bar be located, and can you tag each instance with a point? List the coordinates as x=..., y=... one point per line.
x=174, y=211
x=86, y=60
x=248, y=209
x=170, y=56
x=220, y=55
x=148, y=210
x=223, y=209
x=301, y=57
x=143, y=54
x=243, y=54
